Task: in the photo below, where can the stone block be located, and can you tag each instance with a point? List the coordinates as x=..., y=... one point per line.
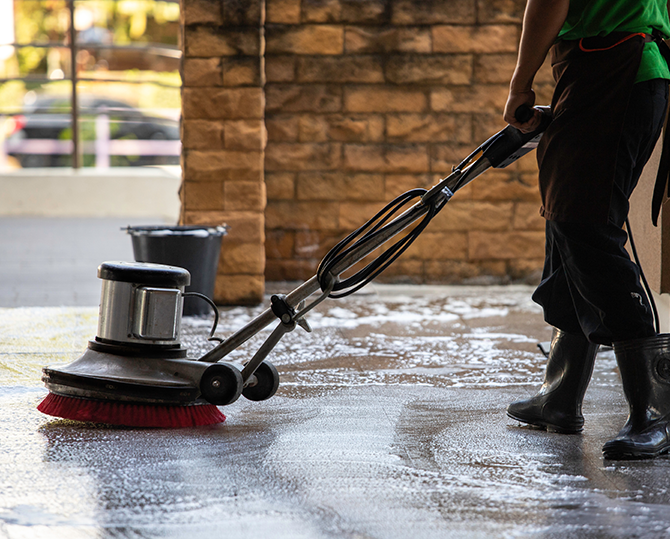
x=282, y=11
x=439, y=246
x=397, y=184
x=243, y=12
x=242, y=71
x=343, y=69
x=489, y=98
x=408, y=12
x=319, y=98
x=385, y=40
x=403, y=271
x=384, y=99
x=340, y=186
x=409, y=158
x=500, y=185
x=307, y=244
x=315, y=156
x=242, y=226
x=302, y=215
x=473, y=215
x=280, y=185
x=487, y=123
x=315, y=244
x=283, y=128
x=241, y=258
x=500, y=11
x=244, y=196
x=505, y=245
x=465, y=272
x=429, y=128
x=429, y=69
x=528, y=164
x=354, y=214
x=367, y=12
x=202, y=72
x=386, y=158
x=290, y=270
x=222, y=103
x=280, y=68
x=304, y=39
x=202, y=12
x=492, y=38
x=313, y=128
x=239, y=289
x=494, y=68
x=202, y=135
x=210, y=41
x=342, y=128
x=527, y=270
x=364, y=157
x=209, y=218
x=445, y=156
x=244, y=135
x=201, y=165
x=321, y=11
x=279, y=244
x=527, y=216
x=203, y=196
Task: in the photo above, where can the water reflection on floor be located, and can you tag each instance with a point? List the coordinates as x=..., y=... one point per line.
x=389, y=423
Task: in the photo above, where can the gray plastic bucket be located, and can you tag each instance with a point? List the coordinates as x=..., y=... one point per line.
x=195, y=248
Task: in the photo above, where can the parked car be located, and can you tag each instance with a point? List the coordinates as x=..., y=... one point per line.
x=111, y=132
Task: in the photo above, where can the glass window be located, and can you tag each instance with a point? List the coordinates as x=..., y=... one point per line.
x=125, y=85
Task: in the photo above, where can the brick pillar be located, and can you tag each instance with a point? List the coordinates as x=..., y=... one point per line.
x=223, y=137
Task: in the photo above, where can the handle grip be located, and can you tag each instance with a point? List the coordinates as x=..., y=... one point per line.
x=523, y=113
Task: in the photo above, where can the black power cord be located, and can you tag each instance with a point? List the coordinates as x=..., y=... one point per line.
x=371, y=230
x=647, y=288
x=214, y=308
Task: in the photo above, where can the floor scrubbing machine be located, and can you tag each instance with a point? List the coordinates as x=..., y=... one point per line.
x=136, y=372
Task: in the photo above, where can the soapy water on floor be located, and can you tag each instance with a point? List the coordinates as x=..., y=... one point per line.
x=431, y=371
x=458, y=338
x=445, y=340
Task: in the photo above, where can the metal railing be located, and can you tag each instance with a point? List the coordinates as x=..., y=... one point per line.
x=104, y=146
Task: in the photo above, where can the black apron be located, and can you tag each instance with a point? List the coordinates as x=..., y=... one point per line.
x=578, y=151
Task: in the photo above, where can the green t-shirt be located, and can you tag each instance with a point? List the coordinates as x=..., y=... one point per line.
x=588, y=18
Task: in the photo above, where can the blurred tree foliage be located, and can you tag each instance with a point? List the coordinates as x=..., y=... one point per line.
x=125, y=22
x=98, y=23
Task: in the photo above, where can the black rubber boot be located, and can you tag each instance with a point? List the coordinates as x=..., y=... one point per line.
x=644, y=365
x=558, y=405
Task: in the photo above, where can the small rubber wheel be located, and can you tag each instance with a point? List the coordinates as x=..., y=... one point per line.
x=221, y=384
x=267, y=382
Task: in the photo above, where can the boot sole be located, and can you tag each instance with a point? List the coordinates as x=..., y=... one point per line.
x=544, y=425
x=628, y=453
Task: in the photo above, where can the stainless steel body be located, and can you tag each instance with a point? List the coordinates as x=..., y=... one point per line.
x=135, y=314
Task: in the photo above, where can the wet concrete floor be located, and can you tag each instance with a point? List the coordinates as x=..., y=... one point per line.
x=389, y=423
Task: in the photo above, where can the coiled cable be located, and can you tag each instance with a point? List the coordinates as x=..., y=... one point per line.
x=373, y=230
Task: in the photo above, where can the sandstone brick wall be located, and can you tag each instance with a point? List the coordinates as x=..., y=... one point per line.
x=362, y=100
x=367, y=99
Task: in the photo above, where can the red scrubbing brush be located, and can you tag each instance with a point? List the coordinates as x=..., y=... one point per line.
x=130, y=414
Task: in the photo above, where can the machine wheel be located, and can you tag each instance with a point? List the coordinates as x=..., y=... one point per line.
x=221, y=384
x=267, y=382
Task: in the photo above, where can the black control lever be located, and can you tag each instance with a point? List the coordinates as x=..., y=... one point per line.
x=510, y=144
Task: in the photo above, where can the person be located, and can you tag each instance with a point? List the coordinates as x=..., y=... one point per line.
x=609, y=107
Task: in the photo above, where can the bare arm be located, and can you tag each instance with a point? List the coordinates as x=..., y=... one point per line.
x=542, y=22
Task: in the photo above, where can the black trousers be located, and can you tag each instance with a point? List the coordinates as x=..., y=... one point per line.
x=589, y=283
